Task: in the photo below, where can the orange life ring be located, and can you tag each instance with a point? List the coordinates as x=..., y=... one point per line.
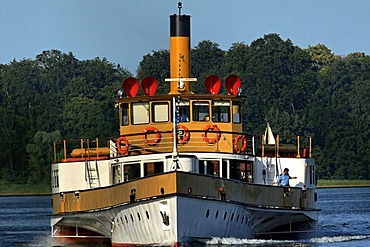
x=151, y=130
x=212, y=128
x=185, y=136
x=244, y=143
x=119, y=147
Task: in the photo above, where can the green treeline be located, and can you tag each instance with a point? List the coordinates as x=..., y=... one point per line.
x=51, y=98
x=298, y=91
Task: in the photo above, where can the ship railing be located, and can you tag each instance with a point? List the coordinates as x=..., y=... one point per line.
x=191, y=141
x=82, y=150
x=161, y=142
x=222, y=141
x=151, y=143
x=292, y=146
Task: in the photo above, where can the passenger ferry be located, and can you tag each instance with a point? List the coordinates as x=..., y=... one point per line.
x=181, y=168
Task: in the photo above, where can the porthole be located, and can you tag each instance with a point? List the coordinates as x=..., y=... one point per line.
x=216, y=216
x=121, y=220
x=207, y=213
x=162, y=191
x=132, y=218
x=242, y=219
x=126, y=219
x=190, y=190
x=232, y=216
x=138, y=215
x=147, y=214
x=225, y=214
x=237, y=218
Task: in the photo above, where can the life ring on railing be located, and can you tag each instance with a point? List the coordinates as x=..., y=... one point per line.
x=119, y=147
x=211, y=128
x=151, y=130
x=244, y=143
x=183, y=132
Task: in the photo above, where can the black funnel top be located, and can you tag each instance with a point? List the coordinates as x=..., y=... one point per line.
x=180, y=25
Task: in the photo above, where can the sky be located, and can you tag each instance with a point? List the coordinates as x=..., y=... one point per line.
x=123, y=31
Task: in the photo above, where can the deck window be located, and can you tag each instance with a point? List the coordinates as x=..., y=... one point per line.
x=124, y=114
x=312, y=175
x=236, y=170
x=117, y=174
x=201, y=111
x=209, y=167
x=224, y=169
x=55, y=179
x=131, y=171
x=241, y=170
x=221, y=111
x=160, y=112
x=153, y=168
x=236, y=112
x=140, y=113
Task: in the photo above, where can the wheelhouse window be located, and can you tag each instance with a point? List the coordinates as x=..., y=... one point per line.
x=183, y=111
x=117, y=174
x=140, y=113
x=201, y=111
x=160, y=112
x=221, y=111
x=152, y=168
x=236, y=112
x=131, y=171
x=124, y=114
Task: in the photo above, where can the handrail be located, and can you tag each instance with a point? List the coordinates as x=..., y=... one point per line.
x=296, y=146
x=196, y=143
x=286, y=146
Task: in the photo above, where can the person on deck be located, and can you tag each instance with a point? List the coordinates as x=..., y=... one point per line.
x=183, y=116
x=283, y=179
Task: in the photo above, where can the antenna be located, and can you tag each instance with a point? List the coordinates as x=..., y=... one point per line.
x=179, y=5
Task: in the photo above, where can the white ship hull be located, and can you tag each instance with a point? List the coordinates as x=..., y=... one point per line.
x=178, y=219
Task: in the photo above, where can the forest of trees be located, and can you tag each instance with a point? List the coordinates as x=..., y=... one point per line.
x=298, y=91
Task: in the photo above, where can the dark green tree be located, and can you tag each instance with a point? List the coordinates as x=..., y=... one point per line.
x=40, y=151
x=206, y=59
x=157, y=65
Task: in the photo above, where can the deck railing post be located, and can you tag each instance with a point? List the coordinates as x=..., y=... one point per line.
x=65, y=149
x=298, y=155
x=277, y=146
x=97, y=147
x=55, y=152
x=82, y=147
x=310, y=153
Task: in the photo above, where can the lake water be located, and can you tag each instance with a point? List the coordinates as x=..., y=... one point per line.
x=344, y=221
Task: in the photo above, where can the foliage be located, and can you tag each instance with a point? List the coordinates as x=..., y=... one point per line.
x=40, y=151
x=158, y=66
x=42, y=97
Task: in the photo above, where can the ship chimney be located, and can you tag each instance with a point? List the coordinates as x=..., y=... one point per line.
x=180, y=53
